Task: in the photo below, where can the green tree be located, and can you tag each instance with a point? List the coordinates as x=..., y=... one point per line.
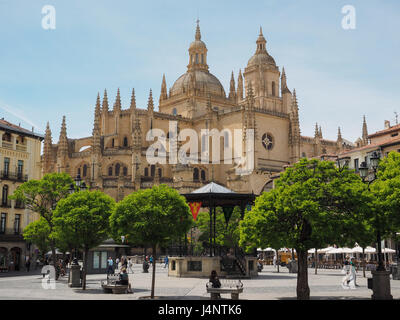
x=42, y=196
x=153, y=217
x=82, y=219
x=313, y=205
x=38, y=233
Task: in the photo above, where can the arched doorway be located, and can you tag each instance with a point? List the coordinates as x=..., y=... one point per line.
x=3, y=259
x=15, y=259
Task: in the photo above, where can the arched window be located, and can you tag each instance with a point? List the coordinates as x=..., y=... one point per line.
x=196, y=174
x=303, y=154
x=146, y=172
x=197, y=58
x=79, y=171
x=174, y=112
x=125, y=171
x=110, y=171
x=159, y=172
x=117, y=168
x=112, y=143
x=203, y=175
x=5, y=194
x=84, y=170
x=152, y=170
x=202, y=58
x=125, y=141
x=273, y=88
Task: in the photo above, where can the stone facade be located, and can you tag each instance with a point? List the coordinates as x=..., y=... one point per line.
x=113, y=159
x=19, y=161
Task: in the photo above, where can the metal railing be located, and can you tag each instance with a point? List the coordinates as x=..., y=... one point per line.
x=11, y=231
x=13, y=176
x=5, y=203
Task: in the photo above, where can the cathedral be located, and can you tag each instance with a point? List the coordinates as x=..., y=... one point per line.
x=114, y=159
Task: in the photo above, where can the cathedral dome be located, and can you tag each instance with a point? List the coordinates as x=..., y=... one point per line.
x=199, y=79
x=261, y=57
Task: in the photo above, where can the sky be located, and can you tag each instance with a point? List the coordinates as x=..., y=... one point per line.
x=339, y=74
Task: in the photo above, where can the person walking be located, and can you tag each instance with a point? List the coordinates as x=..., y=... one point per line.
x=166, y=261
x=348, y=279
x=117, y=263
x=151, y=260
x=130, y=265
x=110, y=263
x=354, y=271
x=28, y=264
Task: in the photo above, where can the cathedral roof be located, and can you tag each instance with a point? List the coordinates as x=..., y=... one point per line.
x=202, y=79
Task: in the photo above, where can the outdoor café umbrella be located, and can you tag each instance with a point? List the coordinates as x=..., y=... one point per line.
x=387, y=250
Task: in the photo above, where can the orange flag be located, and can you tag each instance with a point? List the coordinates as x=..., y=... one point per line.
x=195, y=208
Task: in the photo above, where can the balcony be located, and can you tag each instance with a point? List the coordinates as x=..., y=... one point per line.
x=21, y=147
x=5, y=203
x=13, y=176
x=19, y=205
x=7, y=145
x=11, y=234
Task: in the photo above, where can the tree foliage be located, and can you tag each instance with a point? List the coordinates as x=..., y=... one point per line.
x=153, y=217
x=314, y=204
x=82, y=219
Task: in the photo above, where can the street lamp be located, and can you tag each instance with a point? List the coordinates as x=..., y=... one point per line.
x=381, y=277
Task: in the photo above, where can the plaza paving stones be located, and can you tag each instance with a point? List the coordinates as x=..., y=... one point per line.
x=269, y=285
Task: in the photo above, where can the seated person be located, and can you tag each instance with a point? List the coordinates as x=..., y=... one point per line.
x=124, y=279
x=214, y=280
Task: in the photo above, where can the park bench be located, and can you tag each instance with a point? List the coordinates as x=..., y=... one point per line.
x=111, y=286
x=234, y=287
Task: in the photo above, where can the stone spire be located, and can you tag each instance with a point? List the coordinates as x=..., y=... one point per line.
x=96, y=126
x=163, y=95
x=284, y=87
x=117, y=104
x=232, y=91
x=316, y=132
x=320, y=132
x=364, y=132
x=47, y=154
x=261, y=43
x=197, y=52
x=105, y=102
x=63, y=140
x=133, y=101
x=240, y=86
x=150, y=103
x=339, y=141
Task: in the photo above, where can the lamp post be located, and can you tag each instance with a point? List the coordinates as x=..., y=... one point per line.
x=381, y=277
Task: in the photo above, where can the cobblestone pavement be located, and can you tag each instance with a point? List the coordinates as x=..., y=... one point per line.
x=269, y=285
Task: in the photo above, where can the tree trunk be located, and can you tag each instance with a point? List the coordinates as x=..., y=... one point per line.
x=153, y=278
x=316, y=260
x=85, y=257
x=303, y=290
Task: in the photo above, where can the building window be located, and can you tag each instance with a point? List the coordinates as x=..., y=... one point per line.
x=197, y=58
x=5, y=195
x=146, y=172
x=7, y=137
x=117, y=169
x=84, y=170
x=3, y=222
x=112, y=143
x=226, y=139
x=202, y=58
x=356, y=165
x=152, y=170
x=203, y=175
x=6, y=166
x=110, y=171
x=273, y=88
x=395, y=134
x=17, y=223
x=196, y=174
x=20, y=169
x=125, y=141
x=159, y=172
x=303, y=155
x=125, y=171
x=174, y=112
